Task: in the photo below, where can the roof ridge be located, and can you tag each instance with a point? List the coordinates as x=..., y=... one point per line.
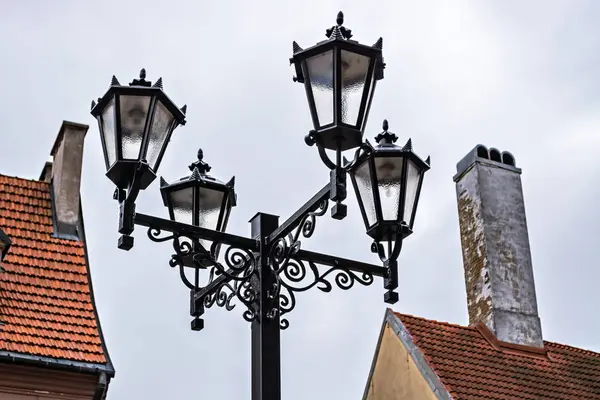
x=400, y=315
x=578, y=349
x=23, y=179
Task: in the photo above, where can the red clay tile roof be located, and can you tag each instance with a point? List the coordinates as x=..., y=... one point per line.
x=46, y=307
x=471, y=368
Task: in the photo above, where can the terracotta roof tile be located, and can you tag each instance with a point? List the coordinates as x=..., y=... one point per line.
x=45, y=303
x=471, y=368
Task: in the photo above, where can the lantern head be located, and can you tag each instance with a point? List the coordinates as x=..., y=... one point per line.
x=387, y=182
x=136, y=123
x=199, y=200
x=339, y=76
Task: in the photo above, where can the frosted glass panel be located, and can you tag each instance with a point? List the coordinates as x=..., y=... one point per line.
x=389, y=180
x=161, y=124
x=108, y=130
x=210, y=202
x=134, y=113
x=365, y=190
x=354, y=74
x=320, y=72
x=412, y=184
x=182, y=202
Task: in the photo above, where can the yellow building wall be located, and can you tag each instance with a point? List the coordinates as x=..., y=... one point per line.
x=396, y=377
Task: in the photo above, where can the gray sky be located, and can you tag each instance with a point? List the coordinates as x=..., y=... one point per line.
x=519, y=76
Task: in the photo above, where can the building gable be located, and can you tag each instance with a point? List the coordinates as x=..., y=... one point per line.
x=470, y=363
x=399, y=370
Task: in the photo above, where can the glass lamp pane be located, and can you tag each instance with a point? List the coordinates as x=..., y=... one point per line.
x=320, y=73
x=134, y=113
x=182, y=202
x=108, y=132
x=412, y=184
x=209, y=209
x=389, y=183
x=161, y=125
x=354, y=75
x=365, y=190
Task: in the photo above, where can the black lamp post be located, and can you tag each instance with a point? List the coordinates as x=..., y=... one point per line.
x=265, y=272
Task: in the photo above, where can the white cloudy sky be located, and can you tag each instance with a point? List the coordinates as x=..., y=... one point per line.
x=518, y=75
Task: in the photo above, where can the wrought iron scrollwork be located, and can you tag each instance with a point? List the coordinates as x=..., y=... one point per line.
x=287, y=246
x=301, y=275
x=239, y=269
x=223, y=282
x=293, y=275
x=363, y=150
x=225, y=293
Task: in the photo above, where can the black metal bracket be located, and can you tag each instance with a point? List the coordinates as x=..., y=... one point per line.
x=339, y=170
x=126, y=199
x=234, y=278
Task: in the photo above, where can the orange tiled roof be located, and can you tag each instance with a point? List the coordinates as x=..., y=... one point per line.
x=46, y=307
x=471, y=368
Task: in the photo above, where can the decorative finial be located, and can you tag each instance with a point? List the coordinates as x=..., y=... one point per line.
x=163, y=182
x=296, y=48
x=158, y=83
x=114, y=81
x=339, y=32
x=408, y=145
x=93, y=104
x=184, y=109
x=378, y=44
x=428, y=161
x=142, y=81
x=196, y=175
x=385, y=137
x=200, y=165
x=340, y=19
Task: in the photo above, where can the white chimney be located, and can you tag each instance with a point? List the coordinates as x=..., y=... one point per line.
x=64, y=173
x=495, y=246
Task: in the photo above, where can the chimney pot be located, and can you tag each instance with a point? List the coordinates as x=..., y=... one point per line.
x=495, y=246
x=64, y=173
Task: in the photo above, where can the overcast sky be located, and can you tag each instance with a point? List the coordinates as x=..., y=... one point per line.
x=518, y=75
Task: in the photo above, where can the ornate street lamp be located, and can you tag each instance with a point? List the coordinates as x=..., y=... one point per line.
x=135, y=123
x=202, y=201
x=266, y=271
x=339, y=75
x=387, y=182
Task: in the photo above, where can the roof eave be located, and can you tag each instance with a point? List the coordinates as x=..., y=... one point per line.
x=56, y=363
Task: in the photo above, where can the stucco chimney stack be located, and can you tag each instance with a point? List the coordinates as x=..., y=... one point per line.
x=65, y=176
x=495, y=247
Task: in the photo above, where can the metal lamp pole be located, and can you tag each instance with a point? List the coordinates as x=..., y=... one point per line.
x=266, y=271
